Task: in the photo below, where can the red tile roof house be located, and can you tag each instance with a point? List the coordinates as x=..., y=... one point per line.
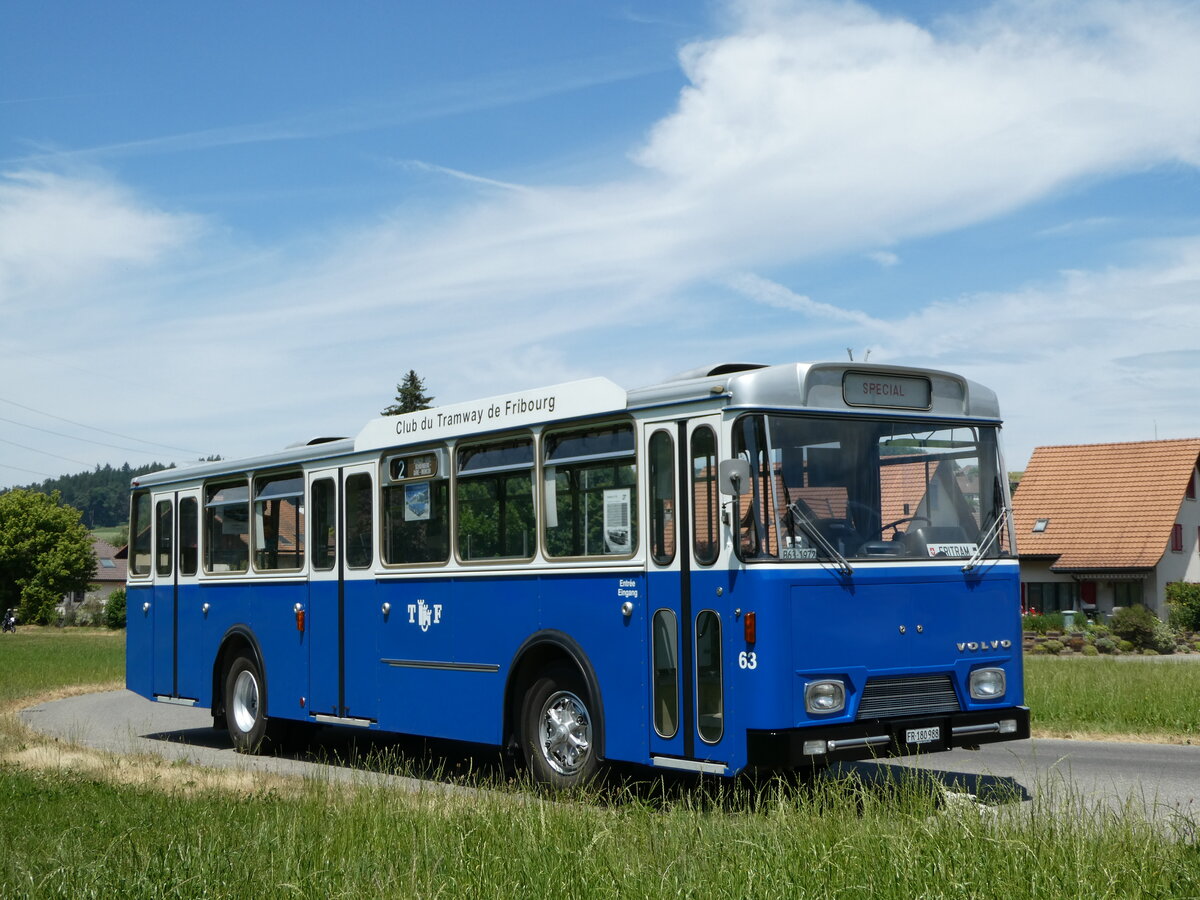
x=1108, y=525
x=109, y=575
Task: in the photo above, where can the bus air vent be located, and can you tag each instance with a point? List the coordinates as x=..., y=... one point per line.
x=916, y=695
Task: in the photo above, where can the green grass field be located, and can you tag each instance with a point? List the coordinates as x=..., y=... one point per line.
x=64, y=833
x=1153, y=698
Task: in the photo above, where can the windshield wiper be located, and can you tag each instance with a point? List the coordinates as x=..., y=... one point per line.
x=843, y=564
x=986, y=539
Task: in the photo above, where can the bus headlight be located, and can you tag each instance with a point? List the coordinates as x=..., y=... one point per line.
x=987, y=684
x=824, y=696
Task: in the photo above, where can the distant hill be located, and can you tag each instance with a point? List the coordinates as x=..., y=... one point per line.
x=102, y=496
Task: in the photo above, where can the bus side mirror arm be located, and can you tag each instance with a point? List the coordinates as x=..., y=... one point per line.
x=734, y=477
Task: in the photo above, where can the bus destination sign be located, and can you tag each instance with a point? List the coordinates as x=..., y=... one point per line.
x=881, y=389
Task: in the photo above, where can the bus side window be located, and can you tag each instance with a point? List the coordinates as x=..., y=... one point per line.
x=189, y=535
x=705, y=534
x=662, y=498
x=139, y=535
x=416, y=518
x=360, y=547
x=279, y=522
x=494, y=499
x=324, y=525
x=163, y=533
x=590, y=480
x=227, y=527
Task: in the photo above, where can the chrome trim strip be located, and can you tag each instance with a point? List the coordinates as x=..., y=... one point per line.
x=848, y=743
x=988, y=728
x=441, y=666
x=689, y=765
x=175, y=701
x=339, y=720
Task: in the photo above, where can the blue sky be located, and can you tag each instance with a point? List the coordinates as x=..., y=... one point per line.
x=226, y=227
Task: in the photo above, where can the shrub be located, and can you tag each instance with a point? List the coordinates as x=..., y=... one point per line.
x=1163, y=638
x=1053, y=646
x=1106, y=645
x=1135, y=624
x=1183, y=601
x=1090, y=650
x=114, y=609
x=1099, y=631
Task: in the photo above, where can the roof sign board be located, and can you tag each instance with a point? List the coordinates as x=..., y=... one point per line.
x=588, y=397
x=882, y=389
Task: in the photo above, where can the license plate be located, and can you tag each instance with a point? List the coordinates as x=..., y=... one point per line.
x=923, y=735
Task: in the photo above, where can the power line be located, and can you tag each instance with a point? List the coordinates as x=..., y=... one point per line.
x=72, y=437
x=92, y=428
x=44, y=452
x=30, y=471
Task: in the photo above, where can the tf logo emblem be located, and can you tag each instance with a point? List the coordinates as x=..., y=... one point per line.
x=424, y=614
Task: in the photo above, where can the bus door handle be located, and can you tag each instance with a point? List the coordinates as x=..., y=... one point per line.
x=146, y=607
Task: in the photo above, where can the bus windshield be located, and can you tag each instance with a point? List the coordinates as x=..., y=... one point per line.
x=843, y=489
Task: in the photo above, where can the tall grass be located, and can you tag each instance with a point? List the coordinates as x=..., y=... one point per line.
x=1102, y=695
x=67, y=834
x=91, y=839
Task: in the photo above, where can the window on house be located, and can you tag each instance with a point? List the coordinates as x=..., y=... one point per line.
x=1051, y=596
x=1177, y=538
x=1191, y=486
x=1127, y=593
x=1040, y=525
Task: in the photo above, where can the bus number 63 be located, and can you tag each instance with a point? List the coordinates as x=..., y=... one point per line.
x=747, y=659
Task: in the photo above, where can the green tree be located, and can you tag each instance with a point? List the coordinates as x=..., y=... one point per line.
x=45, y=552
x=410, y=396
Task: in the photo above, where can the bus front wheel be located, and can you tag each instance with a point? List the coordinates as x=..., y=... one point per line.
x=245, y=705
x=557, y=730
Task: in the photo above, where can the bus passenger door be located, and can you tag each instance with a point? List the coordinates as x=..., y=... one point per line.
x=195, y=646
x=688, y=685
x=341, y=594
x=165, y=598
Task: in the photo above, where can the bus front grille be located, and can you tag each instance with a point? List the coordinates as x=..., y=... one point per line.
x=917, y=695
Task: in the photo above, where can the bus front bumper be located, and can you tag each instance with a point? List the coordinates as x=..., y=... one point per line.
x=789, y=748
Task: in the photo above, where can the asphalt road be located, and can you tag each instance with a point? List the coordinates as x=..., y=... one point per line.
x=1163, y=780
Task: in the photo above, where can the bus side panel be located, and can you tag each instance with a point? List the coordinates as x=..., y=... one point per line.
x=139, y=641
x=196, y=646
x=418, y=692
x=324, y=637
x=588, y=608
x=363, y=616
x=267, y=611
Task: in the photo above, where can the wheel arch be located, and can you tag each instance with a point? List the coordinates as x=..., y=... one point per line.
x=539, y=651
x=237, y=640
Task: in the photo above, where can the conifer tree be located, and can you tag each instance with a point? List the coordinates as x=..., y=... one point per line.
x=410, y=396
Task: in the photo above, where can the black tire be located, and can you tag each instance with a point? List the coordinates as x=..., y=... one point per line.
x=246, y=705
x=558, y=729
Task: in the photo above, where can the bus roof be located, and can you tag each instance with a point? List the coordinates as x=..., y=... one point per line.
x=863, y=387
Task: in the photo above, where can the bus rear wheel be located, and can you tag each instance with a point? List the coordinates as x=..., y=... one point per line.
x=245, y=705
x=557, y=730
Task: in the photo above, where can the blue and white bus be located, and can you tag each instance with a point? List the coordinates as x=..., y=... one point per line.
x=745, y=567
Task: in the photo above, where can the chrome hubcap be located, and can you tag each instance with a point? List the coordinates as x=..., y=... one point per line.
x=566, y=733
x=245, y=701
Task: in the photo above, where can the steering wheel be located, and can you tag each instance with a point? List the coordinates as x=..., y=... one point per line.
x=901, y=521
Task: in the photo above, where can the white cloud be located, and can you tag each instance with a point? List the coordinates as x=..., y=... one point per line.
x=818, y=126
x=57, y=232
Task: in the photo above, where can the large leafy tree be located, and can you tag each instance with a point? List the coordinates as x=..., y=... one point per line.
x=45, y=552
x=410, y=396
